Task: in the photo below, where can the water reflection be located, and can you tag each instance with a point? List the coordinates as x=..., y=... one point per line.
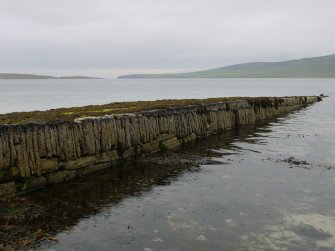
x=234, y=191
x=91, y=194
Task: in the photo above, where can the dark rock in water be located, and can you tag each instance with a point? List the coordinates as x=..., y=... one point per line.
x=300, y=163
x=292, y=160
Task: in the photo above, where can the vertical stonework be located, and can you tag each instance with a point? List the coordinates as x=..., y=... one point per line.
x=35, y=154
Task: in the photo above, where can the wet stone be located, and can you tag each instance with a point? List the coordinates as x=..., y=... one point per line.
x=150, y=147
x=79, y=163
x=170, y=143
x=107, y=156
x=49, y=165
x=7, y=188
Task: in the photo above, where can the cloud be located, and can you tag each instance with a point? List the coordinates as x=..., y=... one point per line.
x=110, y=37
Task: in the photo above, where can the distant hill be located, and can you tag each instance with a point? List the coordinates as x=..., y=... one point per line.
x=317, y=67
x=33, y=76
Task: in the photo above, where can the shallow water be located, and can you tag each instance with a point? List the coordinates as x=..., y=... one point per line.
x=243, y=195
x=270, y=187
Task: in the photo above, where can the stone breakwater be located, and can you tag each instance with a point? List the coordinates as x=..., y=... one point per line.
x=33, y=155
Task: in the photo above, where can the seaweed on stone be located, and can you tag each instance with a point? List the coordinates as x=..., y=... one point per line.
x=69, y=114
x=62, y=115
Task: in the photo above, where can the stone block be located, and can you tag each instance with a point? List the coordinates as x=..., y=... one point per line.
x=38, y=182
x=150, y=147
x=80, y=163
x=107, y=156
x=170, y=143
x=189, y=138
x=56, y=177
x=164, y=136
x=69, y=174
x=33, y=182
x=8, y=188
x=128, y=153
x=49, y=165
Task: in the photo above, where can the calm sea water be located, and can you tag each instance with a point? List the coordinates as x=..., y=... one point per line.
x=270, y=187
x=29, y=95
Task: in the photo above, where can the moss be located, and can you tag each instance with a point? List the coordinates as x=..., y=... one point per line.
x=107, y=110
x=69, y=114
x=188, y=139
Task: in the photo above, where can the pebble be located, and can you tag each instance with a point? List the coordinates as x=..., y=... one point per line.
x=201, y=238
x=157, y=240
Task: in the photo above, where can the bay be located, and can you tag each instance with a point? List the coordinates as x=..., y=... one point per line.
x=31, y=95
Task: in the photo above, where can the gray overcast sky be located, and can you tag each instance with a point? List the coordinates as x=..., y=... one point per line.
x=110, y=37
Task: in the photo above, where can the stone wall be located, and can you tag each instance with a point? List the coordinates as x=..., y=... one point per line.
x=35, y=154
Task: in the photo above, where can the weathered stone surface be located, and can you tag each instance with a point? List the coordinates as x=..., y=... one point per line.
x=189, y=138
x=310, y=100
x=33, y=182
x=22, y=159
x=170, y=143
x=69, y=174
x=38, y=182
x=10, y=174
x=13, y=171
x=5, y=156
x=42, y=148
x=88, y=135
x=150, y=147
x=245, y=117
x=56, y=177
x=49, y=165
x=7, y=189
x=237, y=105
x=79, y=163
x=107, y=156
x=163, y=136
x=128, y=153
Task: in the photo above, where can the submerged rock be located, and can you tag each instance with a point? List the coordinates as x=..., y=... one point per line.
x=201, y=238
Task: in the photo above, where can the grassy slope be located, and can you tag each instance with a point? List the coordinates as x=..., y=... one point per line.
x=319, y=67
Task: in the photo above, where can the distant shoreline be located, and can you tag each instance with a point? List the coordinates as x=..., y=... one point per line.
x=9, y=76
x=246, y=77
x=316, y=67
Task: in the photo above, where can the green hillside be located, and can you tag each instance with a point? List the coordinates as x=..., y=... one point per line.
x=317, y=67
